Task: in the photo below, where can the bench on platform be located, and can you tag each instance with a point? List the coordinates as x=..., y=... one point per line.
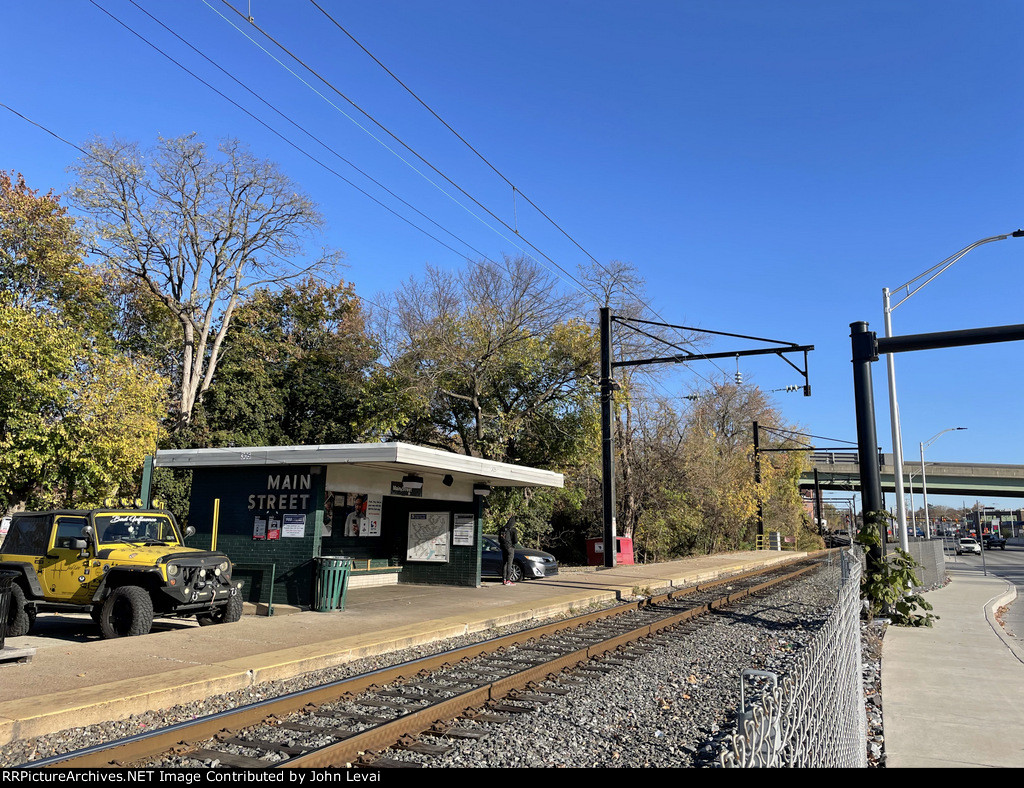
x=368, y=572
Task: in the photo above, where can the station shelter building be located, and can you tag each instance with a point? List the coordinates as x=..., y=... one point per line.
x=402, y=513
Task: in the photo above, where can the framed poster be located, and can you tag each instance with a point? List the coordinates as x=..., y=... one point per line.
x=370, y=524
x=465, y=527
x=259, y=528
x=355, y=514
x=294, y=526
x=428, y=537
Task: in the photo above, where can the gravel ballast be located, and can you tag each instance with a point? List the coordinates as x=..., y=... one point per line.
x=674, y=707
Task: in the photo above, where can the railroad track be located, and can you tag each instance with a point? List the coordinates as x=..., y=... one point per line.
x=365, y=720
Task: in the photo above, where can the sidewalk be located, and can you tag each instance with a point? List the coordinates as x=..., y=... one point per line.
x=953, y=693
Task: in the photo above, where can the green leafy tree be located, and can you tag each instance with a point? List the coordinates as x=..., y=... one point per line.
x=298, y=368
x=496, y=363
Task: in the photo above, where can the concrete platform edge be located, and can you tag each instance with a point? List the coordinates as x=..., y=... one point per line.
x=45, y=713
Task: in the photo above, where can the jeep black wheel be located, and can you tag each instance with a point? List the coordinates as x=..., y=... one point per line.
x=19, y=618
x=225, y=614
x=128, y=611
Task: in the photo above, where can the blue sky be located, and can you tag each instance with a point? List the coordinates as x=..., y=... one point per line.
x=768, y=167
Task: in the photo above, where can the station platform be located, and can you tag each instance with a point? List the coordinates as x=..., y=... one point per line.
x=75, y=678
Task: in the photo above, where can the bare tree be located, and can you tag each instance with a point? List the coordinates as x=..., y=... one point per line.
x=623, y=290
x=198, y=232
x=498, y=362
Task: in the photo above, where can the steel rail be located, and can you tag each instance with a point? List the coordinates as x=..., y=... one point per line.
x=348, y=751
x=180, y=737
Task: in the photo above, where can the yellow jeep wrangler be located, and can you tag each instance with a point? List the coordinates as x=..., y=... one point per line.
x=124, y=566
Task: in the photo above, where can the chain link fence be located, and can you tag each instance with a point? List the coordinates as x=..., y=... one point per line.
x=813, y=717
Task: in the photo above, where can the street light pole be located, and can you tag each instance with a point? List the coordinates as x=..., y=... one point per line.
x=894, y=425
x=924, y=481
x=913, y=511
x=890, y=368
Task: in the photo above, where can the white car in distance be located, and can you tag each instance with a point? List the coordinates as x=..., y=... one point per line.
x=967, y=545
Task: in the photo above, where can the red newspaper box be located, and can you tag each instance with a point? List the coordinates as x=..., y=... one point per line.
x=623, y=552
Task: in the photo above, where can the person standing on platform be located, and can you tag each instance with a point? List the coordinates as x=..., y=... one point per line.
x=507, y=538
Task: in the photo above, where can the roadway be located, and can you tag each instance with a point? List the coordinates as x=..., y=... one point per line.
x=1007, y=564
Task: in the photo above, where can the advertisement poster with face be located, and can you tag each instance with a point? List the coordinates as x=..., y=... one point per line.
x=357, y=513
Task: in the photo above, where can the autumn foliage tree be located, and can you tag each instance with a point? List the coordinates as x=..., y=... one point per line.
x=76, y=415
x=495, y=362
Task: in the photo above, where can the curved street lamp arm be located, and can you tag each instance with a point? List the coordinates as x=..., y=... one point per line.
x=938, y=268
x=932, y=439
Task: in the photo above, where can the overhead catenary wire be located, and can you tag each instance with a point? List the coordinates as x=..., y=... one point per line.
x=421, y=158
x=290, y=142
x=443, y=122
x=573, y=280
x=485, y=160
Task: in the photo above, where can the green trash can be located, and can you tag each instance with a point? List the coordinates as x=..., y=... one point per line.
x=331, y=582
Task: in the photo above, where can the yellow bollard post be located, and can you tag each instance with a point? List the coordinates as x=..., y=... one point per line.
x=216, y=516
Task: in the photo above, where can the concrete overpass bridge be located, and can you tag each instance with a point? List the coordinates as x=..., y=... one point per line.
x=841, y=471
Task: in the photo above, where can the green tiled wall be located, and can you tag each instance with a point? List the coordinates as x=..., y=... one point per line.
x=293, y=556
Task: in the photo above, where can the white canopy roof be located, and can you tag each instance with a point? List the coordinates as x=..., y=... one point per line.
x=391, y=457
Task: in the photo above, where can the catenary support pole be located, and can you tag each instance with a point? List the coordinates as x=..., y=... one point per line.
x=864, y=353
x=757, y=484
x=607, y=438
x=817, y=502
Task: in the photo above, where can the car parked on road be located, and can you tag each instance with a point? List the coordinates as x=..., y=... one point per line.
x=967, y=545
x=527, y=563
